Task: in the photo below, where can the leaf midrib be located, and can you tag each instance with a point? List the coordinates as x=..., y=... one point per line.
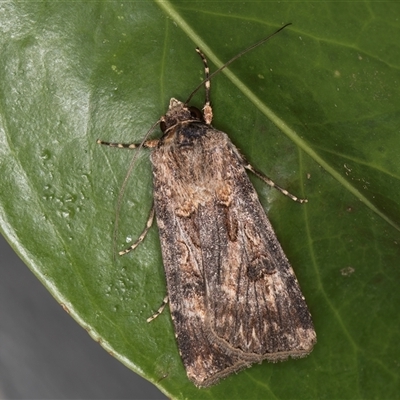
x=166, y=6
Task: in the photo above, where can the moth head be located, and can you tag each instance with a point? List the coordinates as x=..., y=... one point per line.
x=177, y=113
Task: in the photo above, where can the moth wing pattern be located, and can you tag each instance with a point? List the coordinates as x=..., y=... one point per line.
x=234, y=297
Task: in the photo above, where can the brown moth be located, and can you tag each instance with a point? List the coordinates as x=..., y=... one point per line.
x=233, y=295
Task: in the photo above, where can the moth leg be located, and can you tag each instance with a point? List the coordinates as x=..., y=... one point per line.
x=207, y=109
x=147, y=144
x=272, y=184
x=143, y=234
x=159, y=311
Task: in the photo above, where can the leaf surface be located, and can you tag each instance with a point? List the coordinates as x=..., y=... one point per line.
x=316, y=109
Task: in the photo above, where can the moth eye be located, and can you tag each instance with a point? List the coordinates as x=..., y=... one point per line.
x=195, y=113
x=163, y=126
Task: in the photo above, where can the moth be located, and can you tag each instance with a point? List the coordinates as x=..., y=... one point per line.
x=233, y=296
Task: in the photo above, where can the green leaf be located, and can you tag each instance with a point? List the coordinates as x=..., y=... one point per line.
x=316, y=108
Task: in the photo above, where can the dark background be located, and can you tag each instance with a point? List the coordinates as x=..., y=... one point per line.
x=45, y=354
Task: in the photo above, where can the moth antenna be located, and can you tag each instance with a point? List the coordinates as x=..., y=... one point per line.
x=253, y=46
x=124, y=183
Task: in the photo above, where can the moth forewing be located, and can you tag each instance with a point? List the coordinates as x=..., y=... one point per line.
x=234, y=297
